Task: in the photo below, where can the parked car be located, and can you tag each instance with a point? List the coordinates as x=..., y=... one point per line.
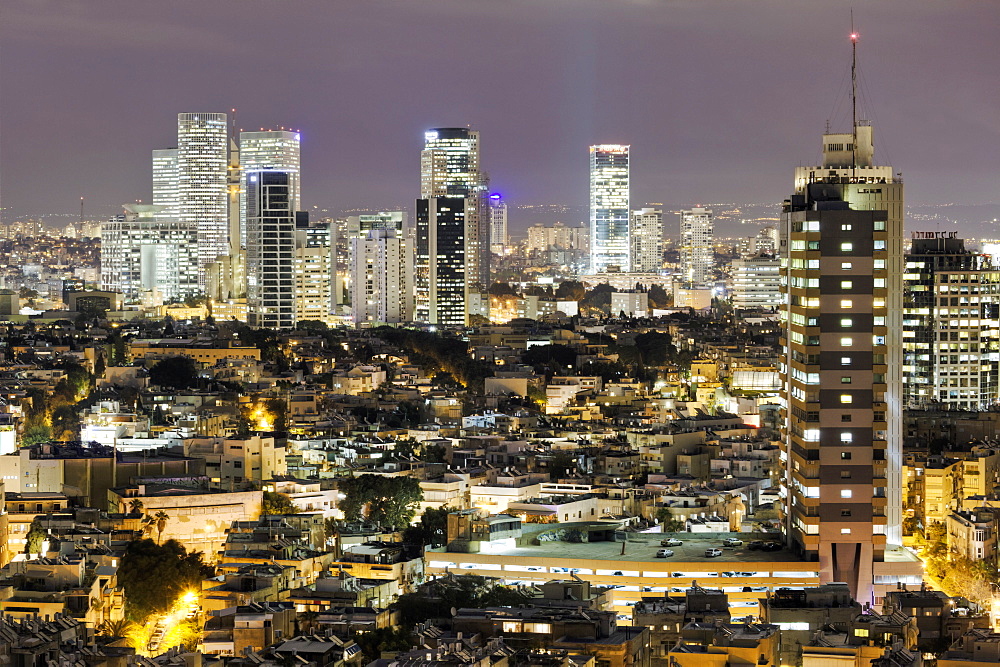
x=755, y=545
x=773, y=546
x=671, y=542
x=664, y=553
x=732, y=542
x=712, y=553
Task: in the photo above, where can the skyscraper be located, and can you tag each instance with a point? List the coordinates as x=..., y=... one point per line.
x=647, y=240
x=166, y=184
x=756, y=282
x=951, y=325
x=453, y=226
x=498, y=224
x=313, y=267
x=449, y=163
x=202, y=181
x=270, y=251
x=697, y=254
x=841, y=243
x=271, y=149
x=442, y=292
x=609, y=208
x=381, y=277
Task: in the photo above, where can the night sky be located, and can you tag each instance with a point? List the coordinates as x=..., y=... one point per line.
x=720, y=100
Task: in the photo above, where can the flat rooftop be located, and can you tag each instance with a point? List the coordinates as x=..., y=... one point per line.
x=641, y=548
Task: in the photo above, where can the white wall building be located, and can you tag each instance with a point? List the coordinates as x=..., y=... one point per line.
x=647, y=240
x=381, y=278
x=697, y=256
x=756, y=282
x=202, y=180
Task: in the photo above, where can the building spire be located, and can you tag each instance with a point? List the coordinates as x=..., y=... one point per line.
x=854, y=96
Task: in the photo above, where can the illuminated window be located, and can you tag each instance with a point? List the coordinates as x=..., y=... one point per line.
x=846, y=303
x=845, y=361
x=845, y=531
x=846, y=284
x=846, y=322
x=846, y=456
x=846, y=266
x=845, y=493
x=845, y=379
x=846, y=246
x=846, y=227
x=846, y=341
x=845, y=436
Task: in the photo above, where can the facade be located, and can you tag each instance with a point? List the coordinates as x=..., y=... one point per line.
x=498, y=224
x=449, y=167
x=381, y=278
x=647, y=240
x=278, y=150
x=609, y=208
x=697, y=255
x=165, y=184
x=756, y=282
x=841, y=258
x=270, y=251
x=202, y=181
x=142, y=252
x=558, y=237
x=442, y=292
x=951, y=325
x=357, y=227
x=313, y=266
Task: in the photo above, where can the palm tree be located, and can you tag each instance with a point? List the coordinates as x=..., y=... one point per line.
x=118, y=628
x=135, y=506
x=161, y=523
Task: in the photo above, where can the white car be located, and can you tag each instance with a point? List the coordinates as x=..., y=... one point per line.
x=732, y=542
x=671, y=542
x=712, y=553
x=664, y=553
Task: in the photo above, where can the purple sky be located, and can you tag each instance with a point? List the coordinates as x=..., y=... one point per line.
x=720, y=100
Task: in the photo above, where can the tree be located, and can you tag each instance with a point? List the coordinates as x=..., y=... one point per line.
x=562, y=464
x=135, y=506
x=373, y=642
x=174, y=372
x=277, y=503
x=160, y=518
x=390, y=501
x=120, y=628
x=570, y=290
x=658, y=297
x=432, y=530
x=155, y=575
x=469, y=591
x=35, y=538
x=34, y=435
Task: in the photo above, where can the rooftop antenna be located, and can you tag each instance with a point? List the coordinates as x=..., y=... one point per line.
x=854, y=96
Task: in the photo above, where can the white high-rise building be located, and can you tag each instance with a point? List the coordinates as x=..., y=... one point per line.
x=313, y=270
x=647, y=240
x=202, y=181
x=166, y=184
x=756, y=282
x=270, y=263
x=498, y=224
x=144, y=253
x=271, y=149
x=609, y=208
x=382, y=287
x=697, y=255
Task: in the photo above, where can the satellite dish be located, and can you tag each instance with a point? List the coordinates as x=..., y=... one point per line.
x=454, y=612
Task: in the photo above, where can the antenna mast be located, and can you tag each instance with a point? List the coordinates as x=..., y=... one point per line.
x=854, y=96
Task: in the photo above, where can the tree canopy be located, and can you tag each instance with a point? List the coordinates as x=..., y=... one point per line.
x=174, y=372
x=388, y=500
x=155, y=575
x=277, y=503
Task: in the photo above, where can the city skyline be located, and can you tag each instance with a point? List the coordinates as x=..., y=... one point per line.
x=362, y=158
